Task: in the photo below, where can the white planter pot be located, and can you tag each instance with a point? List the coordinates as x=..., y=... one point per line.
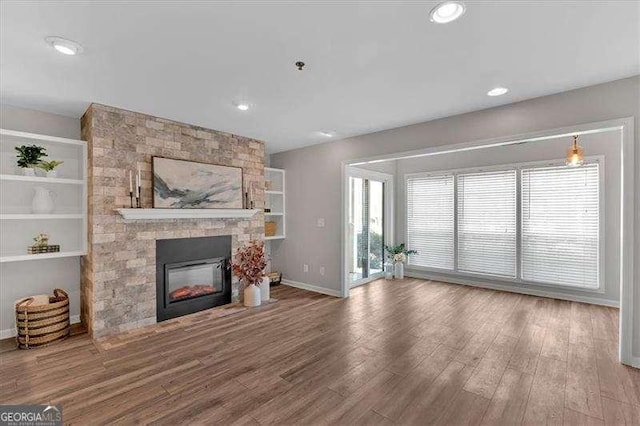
x=28, y=171
x=52, y=174
x=42, y=202
x=252, y=296
x=388, y=271
x=399, y=270
x=265, y=289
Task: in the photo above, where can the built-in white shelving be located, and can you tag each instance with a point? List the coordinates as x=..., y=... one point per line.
x=66, y=225
x=275, y=201
x=160, y=214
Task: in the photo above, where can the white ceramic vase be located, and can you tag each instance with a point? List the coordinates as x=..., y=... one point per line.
x=399, y=270
x=388, y=271
x=265, y=289
x=42, y=202
x=28, y=171
x=52, y=174
x=251, y=296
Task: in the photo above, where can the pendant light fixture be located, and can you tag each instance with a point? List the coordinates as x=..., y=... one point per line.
x=575, y=154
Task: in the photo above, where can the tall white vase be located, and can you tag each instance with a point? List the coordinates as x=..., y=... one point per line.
x=265, y=289
x=42, y=201
x=399, y=270
x=252, y=296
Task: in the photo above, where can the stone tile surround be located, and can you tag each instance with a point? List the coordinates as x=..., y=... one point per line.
x=118, y=286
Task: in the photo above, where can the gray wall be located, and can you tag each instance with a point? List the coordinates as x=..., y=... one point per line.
x=20, y=279
x=314, y=173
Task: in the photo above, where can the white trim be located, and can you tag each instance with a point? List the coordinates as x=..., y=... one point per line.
x=511, y=289
x=627, y=241
x=313, y=288
x=11, y=332
x=542, y=135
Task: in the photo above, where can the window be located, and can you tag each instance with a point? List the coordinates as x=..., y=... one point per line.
x=520, y=223
x=430, y=221
x=487, y=223
x=560, y=225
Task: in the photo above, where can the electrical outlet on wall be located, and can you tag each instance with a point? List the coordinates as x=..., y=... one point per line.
x=305, y=268
x=320, y=222
x=322, y=270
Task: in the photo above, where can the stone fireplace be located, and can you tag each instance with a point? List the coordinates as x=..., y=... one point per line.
x=119, y=287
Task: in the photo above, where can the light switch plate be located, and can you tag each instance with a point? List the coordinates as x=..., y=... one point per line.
x=305, y=267
x=320, y=222
x=322, y=270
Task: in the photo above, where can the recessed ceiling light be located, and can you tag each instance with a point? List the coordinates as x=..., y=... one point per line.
x=497, y=91
x=64, y=46
x=447, y=12
x=242, y=107
x=328, y=134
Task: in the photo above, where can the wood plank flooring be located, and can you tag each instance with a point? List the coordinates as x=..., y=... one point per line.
x=396, y=352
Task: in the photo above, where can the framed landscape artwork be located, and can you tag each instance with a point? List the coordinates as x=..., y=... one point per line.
x=180, y=184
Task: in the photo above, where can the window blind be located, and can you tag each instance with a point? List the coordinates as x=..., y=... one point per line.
x=487, y=223
x=560, y=225
x=430, y=221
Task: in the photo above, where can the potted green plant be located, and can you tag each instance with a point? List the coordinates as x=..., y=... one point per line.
x=248, y=265
x=49, y=167
x=398, y=255
x=29, y=156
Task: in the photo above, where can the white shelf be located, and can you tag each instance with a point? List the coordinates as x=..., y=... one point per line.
x=24, y=257
x=275, y=200
x=39, y=179
x=28, y=216
x=37, y=137
x=164, y=214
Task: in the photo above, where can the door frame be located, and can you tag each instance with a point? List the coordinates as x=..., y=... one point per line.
x=389, y=203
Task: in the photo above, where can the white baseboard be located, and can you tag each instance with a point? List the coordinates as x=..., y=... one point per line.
x=11, y=332
x=531, y=292
x=634, y=362
x=310, y=287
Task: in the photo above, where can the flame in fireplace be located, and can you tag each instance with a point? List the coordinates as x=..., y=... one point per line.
x=189, y=291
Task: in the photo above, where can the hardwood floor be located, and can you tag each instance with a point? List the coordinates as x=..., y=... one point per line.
x=401, y=352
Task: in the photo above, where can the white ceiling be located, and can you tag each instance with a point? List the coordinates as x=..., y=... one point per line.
x=370, y=65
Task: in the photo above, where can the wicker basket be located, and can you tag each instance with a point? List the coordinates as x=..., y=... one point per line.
x=43, y=319
x=270, y=228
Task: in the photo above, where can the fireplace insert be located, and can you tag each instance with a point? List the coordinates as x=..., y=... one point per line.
x=192, y=275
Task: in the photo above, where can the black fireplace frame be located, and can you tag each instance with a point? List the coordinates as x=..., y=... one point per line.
x=191, y=250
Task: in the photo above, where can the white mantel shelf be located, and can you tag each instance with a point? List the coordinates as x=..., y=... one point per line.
x=160, y=214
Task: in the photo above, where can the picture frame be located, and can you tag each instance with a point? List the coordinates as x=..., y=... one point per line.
x=184, y=184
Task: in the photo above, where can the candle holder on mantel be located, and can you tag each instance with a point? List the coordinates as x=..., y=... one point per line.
x=139, y=198
x=131, y=198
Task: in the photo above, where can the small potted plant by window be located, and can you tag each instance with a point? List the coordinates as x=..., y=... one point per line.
x=49, y=167
x=398, y=255
x=29, y=156
x=248, y=265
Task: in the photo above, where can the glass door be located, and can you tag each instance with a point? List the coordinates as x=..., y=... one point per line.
x=366, y=237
